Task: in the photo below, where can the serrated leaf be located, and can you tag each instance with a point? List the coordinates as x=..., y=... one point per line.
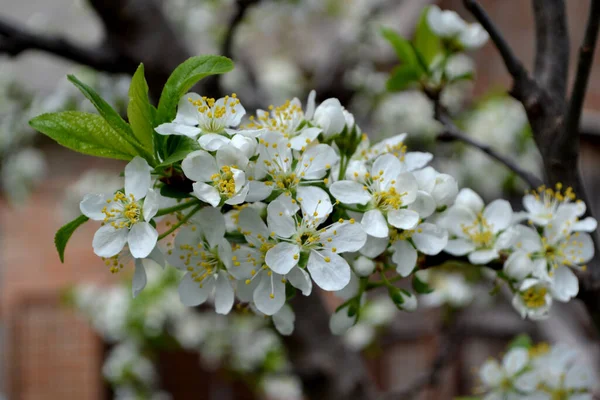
x=184, y=77
x=403, y=77
x=426, y=42
x=85, y=133
x=403, y=48
x=139, y=110
x=419, y=286
x=62, y=236
x=104, y=109
x=184, y=147
x=522, y=340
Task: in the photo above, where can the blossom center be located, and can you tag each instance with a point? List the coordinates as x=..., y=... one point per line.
x=214, y=114
x=122, y=211
x=534, y=297
x=479, y=232
x=224, y=180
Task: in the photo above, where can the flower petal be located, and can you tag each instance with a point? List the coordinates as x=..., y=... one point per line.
x=284, y=320
x=340, y=322
x=109, y=241
x=459, y=247
x=137, y=178
x=424, y=204
x=174, y=128
x=316, y=161
x=251, y=223
x=498, y=214
x=212, y=141
x=482, y=257
x=345, y=236
x=515, y=360
x=212, y=224
x=406, y=184
x=224, y=295
x=403, y=218
x=139, y=278
x=387, y=168
x=565, y=285
x=269, y=286
x=314, y=202
x=300, y=279
x=518, y=265
x=491, y=373
x=142, y=239
x=374, y=246
x=404, y=256
x=192, y=293
x=92, y=204
x=199, y=166
x=151, y=204
x=282, y=257
x=330, y=275
x=350, y=192
x=280, y=214
x=373, y=223
x=207, y=193
x=469, y=199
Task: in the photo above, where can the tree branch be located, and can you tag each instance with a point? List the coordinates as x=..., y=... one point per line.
x=15, y=40
x=452, y=133
x=327, y=369
x=584, y=66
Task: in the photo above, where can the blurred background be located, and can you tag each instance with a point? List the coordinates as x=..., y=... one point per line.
x=72, y=331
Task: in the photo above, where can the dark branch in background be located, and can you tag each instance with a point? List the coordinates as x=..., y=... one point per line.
x=14, y=40
x=213, y=84
x=451, y=133
x=449, y=342
x=584, y=67
x=327, y=369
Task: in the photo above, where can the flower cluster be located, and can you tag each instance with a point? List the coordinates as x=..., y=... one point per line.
x=296, y=197
x=537, y=372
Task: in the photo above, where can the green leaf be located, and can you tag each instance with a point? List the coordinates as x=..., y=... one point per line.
x=419, y=286
x=139, y=110
x=108, y=113
x=64, y=234
x=185, y=146
x=522, y=340
x=84, y=132
x=402, y=77
x=403, y=48
x=426, y=42
x=184, y=77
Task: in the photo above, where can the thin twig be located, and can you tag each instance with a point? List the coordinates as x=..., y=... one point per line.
x=584, y=66
x=513, y=64
x=452, y=133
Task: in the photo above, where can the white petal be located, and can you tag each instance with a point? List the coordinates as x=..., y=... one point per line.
x=565, y=284
x=190, y=292
x=345, y=236
x=247, y=145
x=403, y=218
x=404, y=256
x=518, y=265
x=350, y=192
x=527, y=382
x=207, y=193
x=92, y=204
x=139, y=278
x=137, y=178
x=157, y=257
x=430, y=239
x=491, y=373
x=142, y=239
x=580, y=248
x=284, y=320
x=300, y=279
x=250, y=221
x=445, y=189
x=374, y=246
x=579, y=376
x=363, y=266
x=424, y=204
x=459, y=247
x=406, y=184
x=212, y=141
x=515, y=360
x=498, y=214
x=212, y=224
x=280, y=214
x=473, y=36
x=174, y=128
x=416, y=160
x=469, y=199
x=109, y=241
x=187, y=112
x=258, y=191
x=340, y=322
x=230, y=155
x=373, y=223
x=151, y=204
x=314, y=202
x=588, y=224
x=387, y=168
x=457, y=217
x=323, y=157
x=333, y=275
x=224, y=296
x=269, y=285
x=282, y=257
x=199, y=166
x=482, y=257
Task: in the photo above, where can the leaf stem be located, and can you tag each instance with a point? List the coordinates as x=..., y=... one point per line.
x=183, y=221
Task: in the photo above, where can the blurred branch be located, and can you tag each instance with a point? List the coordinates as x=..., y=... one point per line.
x=586, y=58
x=14, y=40
x=452, y=133
x=327, y=369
